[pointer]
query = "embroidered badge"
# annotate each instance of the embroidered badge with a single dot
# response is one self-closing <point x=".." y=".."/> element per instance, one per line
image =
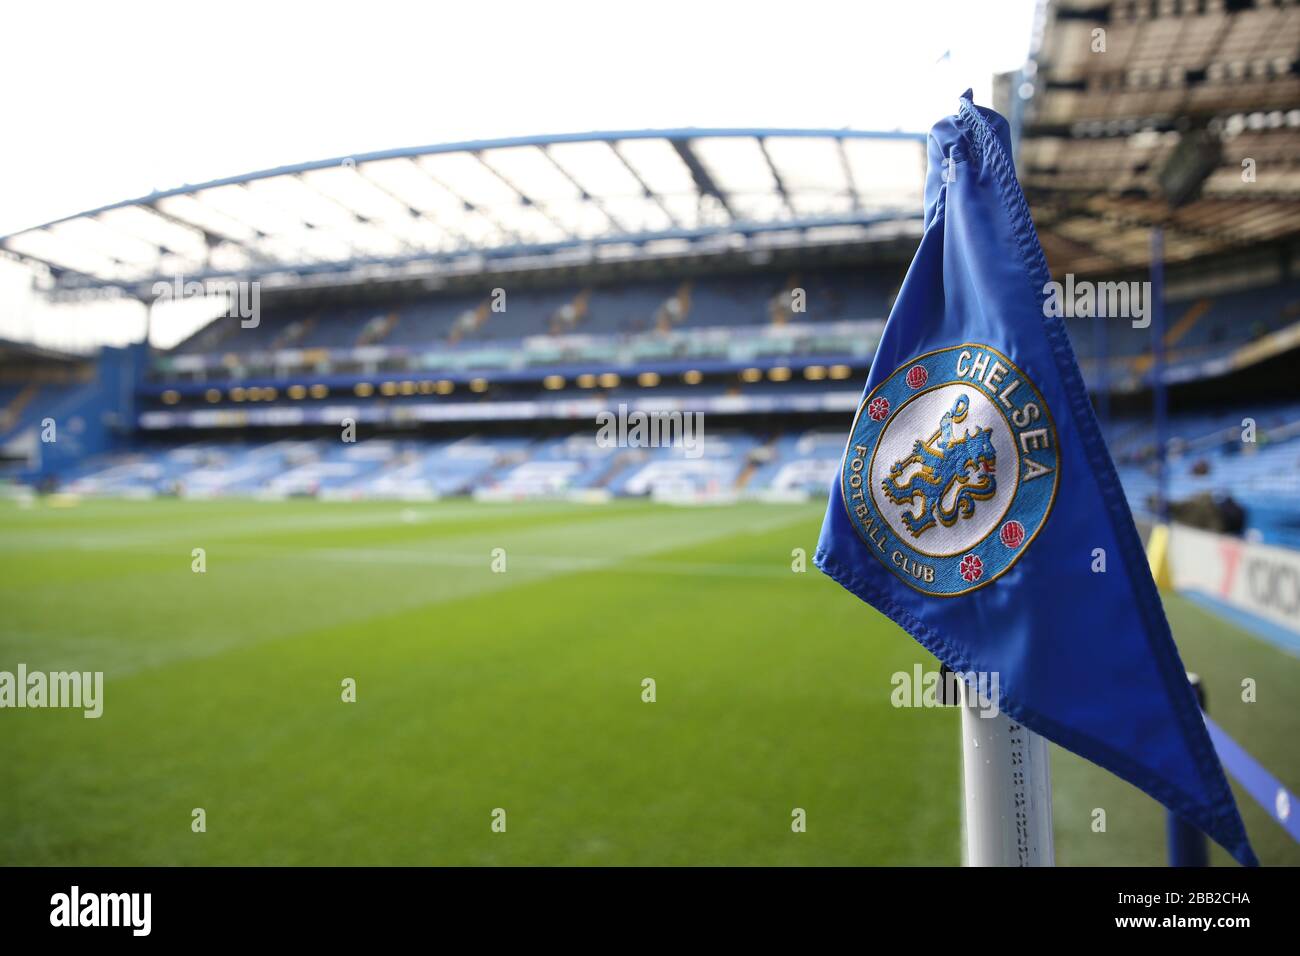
<point x="951" y="469"/>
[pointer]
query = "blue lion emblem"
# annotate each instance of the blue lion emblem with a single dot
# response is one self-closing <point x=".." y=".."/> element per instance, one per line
<point x="966" y="463"/>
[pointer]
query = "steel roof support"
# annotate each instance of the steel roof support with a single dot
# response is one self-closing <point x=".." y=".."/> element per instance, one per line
<point x="776" y="176"/>
<point x="471" y="207"/>
<point x="524" y="198"/>
<point x="703" y="181"/>
<point x="645" y="188"/>
<point x="582" y="190"/>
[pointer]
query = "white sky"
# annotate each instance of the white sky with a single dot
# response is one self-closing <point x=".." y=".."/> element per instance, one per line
<point x="107" y="101"/>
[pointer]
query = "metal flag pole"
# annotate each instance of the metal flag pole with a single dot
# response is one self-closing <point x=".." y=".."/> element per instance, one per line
<point x="1159" y="394"/>
<point x="1101" y="380"/>
<point x="1008" y="788"/>
<point x="1188" y="846"/>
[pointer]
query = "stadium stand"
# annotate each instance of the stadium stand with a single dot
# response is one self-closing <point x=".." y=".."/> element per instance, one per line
<point x="472" y="345"/>
<point x="244" y="412"/>
<point x="622" y="309"/>
<point x="1207" y="456"/>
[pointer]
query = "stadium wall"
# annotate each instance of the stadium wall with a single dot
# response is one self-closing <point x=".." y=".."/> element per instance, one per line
<point x="1254" y="584"/>
<point x="95" y="418"/>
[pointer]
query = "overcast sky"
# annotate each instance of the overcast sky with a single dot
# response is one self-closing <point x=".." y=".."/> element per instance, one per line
<point x="107" y="101"/>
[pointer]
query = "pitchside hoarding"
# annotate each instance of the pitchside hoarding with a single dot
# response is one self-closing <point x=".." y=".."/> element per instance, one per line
<point x="1258" y="579"/>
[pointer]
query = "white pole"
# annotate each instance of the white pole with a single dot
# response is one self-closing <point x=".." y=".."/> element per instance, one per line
<point x="1008" y="782"/>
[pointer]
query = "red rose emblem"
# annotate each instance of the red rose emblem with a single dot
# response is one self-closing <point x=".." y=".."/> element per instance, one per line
<point x="971" y="567"/>
<point x="878" y="409"/>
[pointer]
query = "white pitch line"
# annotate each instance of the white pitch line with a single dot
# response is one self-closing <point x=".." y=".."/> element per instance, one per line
<point x="544" y="562"/>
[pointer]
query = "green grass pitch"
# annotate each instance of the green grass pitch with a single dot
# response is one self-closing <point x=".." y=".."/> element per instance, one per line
<point x="519" y="690"/>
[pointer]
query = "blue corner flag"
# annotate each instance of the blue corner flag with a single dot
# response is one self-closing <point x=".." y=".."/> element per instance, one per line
<point x="978" y="508"/>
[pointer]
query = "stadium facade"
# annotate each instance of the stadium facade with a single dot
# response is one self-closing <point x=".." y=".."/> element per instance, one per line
<point x="466" y="311"/>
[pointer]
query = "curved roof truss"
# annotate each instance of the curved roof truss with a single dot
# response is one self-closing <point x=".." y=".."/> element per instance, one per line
<point x="422" y="208"/>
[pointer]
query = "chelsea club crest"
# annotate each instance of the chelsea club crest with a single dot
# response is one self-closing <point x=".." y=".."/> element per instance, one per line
<point x="951" y="469"/>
